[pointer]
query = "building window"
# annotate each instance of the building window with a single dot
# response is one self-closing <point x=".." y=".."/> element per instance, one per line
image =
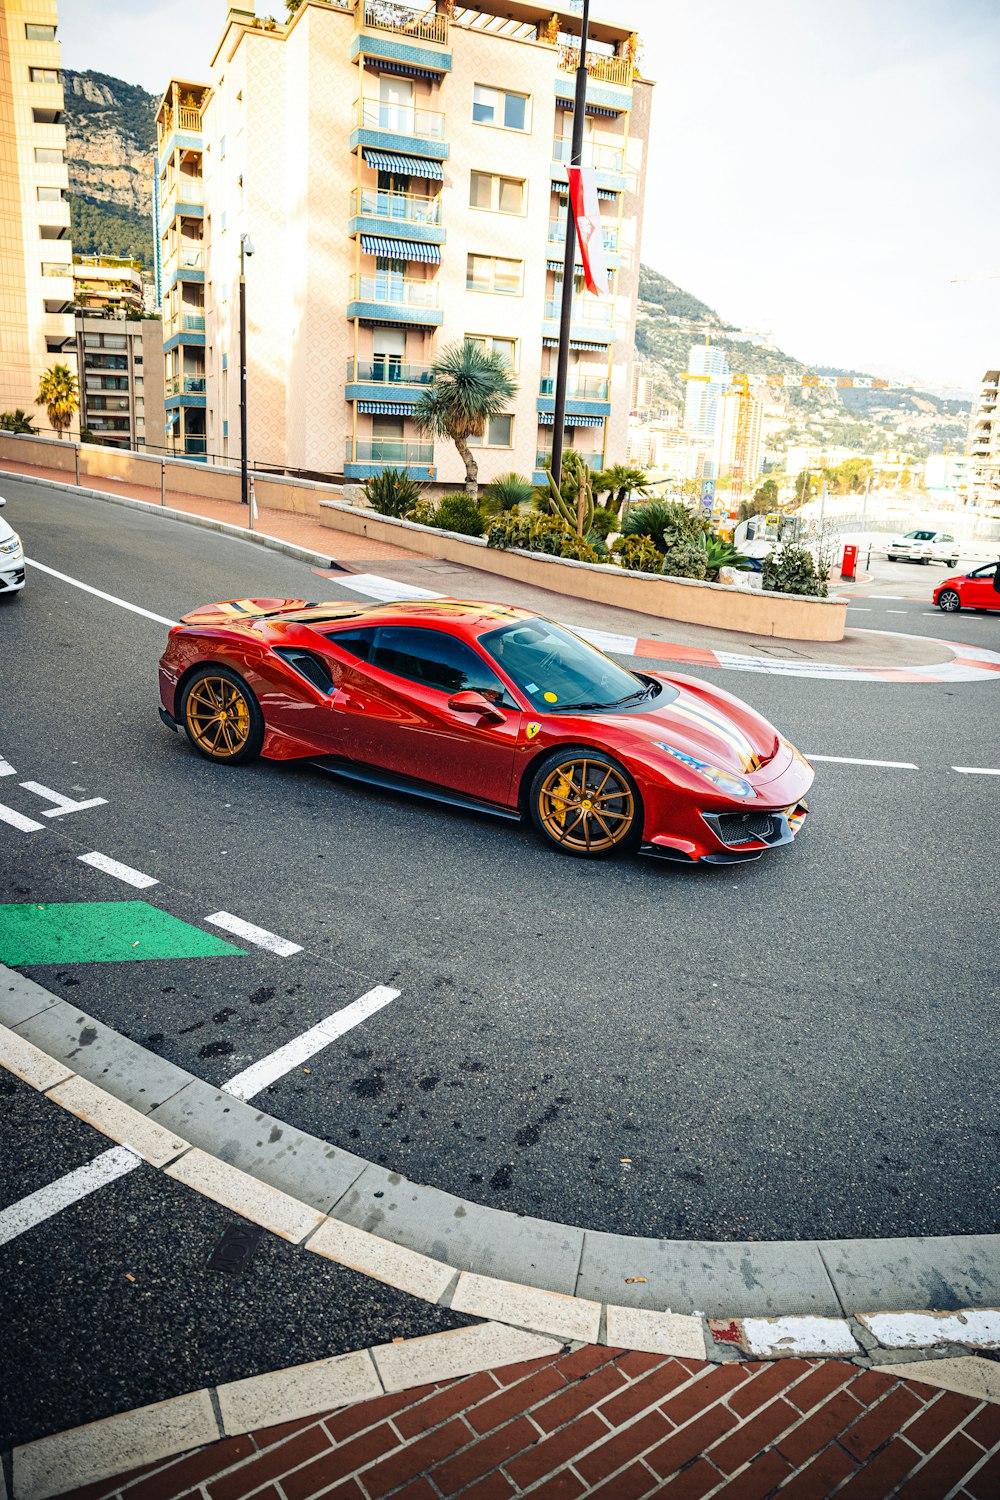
<point x="52" y="195"/>
<point x="56" y="268"/>
<point x="492" y="344"/>
<point x="54" y="231"/>
<point x="498" y="107"/>
<point x="489" y="273"/>
<point x="48" y="155"/>
<point x="35" y="33"/>
<point x="222" y="147"/>
<point x="46" y="116"/>
<point x="44" y="75"/>
<point x="222" y="220"/>
<point x="499" y="434"/>
<point x="502" y="195"/>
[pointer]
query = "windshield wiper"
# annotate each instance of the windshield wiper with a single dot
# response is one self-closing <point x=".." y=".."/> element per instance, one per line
<point x="643" y="692"/>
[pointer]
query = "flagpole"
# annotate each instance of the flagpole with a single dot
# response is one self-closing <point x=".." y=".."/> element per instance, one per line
<point x="569" y="259"/>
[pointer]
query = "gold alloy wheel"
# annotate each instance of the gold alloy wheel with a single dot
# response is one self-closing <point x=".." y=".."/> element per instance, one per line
<point x="218" y="717"/>
<point x="586" y="805"/>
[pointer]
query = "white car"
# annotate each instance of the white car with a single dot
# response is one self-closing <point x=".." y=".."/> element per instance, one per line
<point x="923" y="547"/>
<point x="11" y="559"/>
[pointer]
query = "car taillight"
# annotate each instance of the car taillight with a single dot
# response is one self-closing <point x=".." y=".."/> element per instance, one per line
<point x="174" y="630"/>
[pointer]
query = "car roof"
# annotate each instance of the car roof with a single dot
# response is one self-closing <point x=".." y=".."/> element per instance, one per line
<point x="467" y="614"/>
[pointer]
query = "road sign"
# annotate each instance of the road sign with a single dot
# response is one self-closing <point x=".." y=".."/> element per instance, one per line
<point x="708" y="493"/>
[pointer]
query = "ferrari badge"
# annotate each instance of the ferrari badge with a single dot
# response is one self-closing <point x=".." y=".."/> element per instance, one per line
<point x="531" y="730"/>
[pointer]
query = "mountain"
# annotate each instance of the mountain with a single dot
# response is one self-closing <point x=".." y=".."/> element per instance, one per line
<point x="670" y="320"/>
<point x="110" y="139"/>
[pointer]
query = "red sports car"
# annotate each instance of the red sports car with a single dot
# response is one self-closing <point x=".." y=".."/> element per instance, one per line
<point x="491" y="708"/>
<point x="975" y="590"/>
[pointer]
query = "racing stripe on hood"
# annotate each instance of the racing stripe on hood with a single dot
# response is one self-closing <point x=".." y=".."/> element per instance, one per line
<point x="705" y="718"/>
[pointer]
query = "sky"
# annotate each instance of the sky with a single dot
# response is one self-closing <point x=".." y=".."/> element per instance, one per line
<point x="821" y="172"/>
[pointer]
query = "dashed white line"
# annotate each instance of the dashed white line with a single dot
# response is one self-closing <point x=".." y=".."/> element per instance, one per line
<point x="99" y="593"/>
<point x="251" y="934"/>
<point x="976" y="771"/>
<point x="6" y="769"/>
<point x="118" y="870"/>
<point x="260" y="1074"/>
<point x="18" y="820"/>
<point x="63" y="805"/>
<point x="897" y="611"/>
<point x="850" y="760"/>
<point x="39" y="1206"/>
<point x="859" y="609"/>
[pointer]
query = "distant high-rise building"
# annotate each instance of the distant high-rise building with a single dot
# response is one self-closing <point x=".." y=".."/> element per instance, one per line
<point x="702" y="397"/>
<point x="983" y="444"/>
<point x="726" y="428"/>
<point x="36" y="259"/>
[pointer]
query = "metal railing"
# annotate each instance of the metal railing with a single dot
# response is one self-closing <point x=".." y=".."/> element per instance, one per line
<point x="586" y="388"/>
<point x="599" y="65"/>
<point x="388" y="371"/>
<point x="400" y="119"/>
<point x="389" y="451"/>
<point x="197" y="445"/>
<point x="185" y="385"/>
<point x="582" y="315"/>
<point x="401" y="291"/>
<point x="404" y="208"/>
<point x="183" y="190"/>
<point x="423" y="26"/>
<point x="557" y="233"/>
<point x="603" y="158"/>
<point x="56" y="268"/>
<point x="191" y="260"/>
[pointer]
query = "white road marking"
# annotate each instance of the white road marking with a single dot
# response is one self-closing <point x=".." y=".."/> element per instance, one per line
<point x="63" y="805"/>
<point x="260" y="1074"/>
<point x="975" y="771"/>
<point x="251" y="934"/>
<point x="6" y="769"/>
<point x="38" y="1207"/>
<point x="99" y="593"/>
<point x="606" y="640"/>
<point x="18" y="820"/>
<point x="894" y="597"/>
<point x="859" y="609"/>
<point x="897" y="611"/>
<point x="119" y="871"/>
<point x="850" y="760"/>
<point x="386" y="589"/>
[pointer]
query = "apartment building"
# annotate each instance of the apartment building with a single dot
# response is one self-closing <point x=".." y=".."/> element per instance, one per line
<point x="727" y="427"/>
<point x="36" y="272"/>
<point x="707" y="381"/>
<point x="983" y="444"/>
<point x="102" y="282"/>
<point x="121" y="380"/>
<point x="401" y="175"/>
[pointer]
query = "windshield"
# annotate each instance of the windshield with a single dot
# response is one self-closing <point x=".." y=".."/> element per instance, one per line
<point x="919" y="536"/>
<point x="557" y="671"/>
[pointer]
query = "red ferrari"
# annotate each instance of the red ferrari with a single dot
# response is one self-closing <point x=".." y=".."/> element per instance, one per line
<point x="490" y="708"/>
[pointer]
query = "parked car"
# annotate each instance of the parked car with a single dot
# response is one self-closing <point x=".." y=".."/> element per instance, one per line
<point x="975" y="590"/>
<point x="11" y="559"/>
<point x="923" y="547"/>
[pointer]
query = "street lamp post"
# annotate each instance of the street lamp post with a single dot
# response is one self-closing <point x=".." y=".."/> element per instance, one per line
<point x="246" y="248"/>
<point x="569" y="259"/>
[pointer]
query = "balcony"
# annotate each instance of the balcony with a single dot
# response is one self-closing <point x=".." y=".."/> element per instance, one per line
<point x="183" y="190"/>
<point x="185" y="385"/>
<point x="584" y="388"/>
<point x="396" y="298"/>
<point x="600" y="67"/>
<point x="408" y="120"/>
<point x="594" y="461"/>
<point x="390" y="451"/>
<point x="598" y="317"/>
<point x="601" y="158"/>
<point x="419" y="26"/>
<point x="191" y="260"/>
<point x="557" y="234"/>
<point x="386" y="372"/>
<point x="399" y="208"/>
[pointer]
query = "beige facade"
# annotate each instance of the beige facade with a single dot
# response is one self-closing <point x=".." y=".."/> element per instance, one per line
<point x="397" y="172"/>
<point x="36" y="276"/>
<point x="121" y="380"/>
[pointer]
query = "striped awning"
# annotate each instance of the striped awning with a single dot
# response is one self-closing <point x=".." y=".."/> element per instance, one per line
<point x="406" y="70"/>
<point x="547" y="419"/>
<point x="591" y="109"/>
<point x="405" y="166"/>
<point x="559" y="265"/>
<point x="386" y="408"/>
<point x="551" y="343"/>
<point x="377" y="244"/>
<point x="611" y="194"/>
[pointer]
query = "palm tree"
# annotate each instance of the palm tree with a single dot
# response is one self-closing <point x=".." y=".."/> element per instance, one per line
<point x="468" y="389"/>
<point x="59" y="394"/>
<point x="620" y="482"/>
<point x="15" y="421"/>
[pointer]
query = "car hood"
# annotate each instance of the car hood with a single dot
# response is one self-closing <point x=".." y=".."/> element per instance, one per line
<point x="6" y="532"/>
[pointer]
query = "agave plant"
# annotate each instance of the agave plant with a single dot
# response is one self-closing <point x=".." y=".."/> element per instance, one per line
<point x="506" y="493"/>
<point x="720" y="554"/>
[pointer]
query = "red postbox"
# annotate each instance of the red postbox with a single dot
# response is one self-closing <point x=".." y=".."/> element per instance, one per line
<point x="849" y="563"/>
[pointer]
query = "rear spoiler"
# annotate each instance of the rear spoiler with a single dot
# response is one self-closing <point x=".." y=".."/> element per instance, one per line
<point x="232" y="610"/>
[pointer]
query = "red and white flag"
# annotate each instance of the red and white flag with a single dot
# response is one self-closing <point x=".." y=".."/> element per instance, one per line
<point x="586" y="208"/>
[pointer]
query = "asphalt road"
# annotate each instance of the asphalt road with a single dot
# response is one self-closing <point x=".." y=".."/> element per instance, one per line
<point x="797" y="1047"/>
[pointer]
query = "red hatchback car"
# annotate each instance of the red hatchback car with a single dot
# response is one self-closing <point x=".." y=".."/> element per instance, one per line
<point x="492" y="708"/>
<point x="976" y="590"/>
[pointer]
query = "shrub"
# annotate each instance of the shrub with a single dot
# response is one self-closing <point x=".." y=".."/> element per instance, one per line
<point x="604" y="521"/>
<point x="793" y="570"/>
<point x="459" y="513"/>
<point x="664" y="521"/>
<point x="391" y="493"/>
<point x="422" y="511"/>
<point x="684" y="559"/>
<point x="506" y="493"/>
<point x="638" y="553"/>
<point x="719" y="554"/>
<point x="533" y="533"/>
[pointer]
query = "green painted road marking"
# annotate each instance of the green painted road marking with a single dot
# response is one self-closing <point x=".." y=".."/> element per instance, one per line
<point x="89" y="932"/>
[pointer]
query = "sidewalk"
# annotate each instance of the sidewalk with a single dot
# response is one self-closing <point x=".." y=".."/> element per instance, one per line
<point x="601" y="1422"/>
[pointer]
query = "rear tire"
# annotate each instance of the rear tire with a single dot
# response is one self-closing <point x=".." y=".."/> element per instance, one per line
<point x="584" y="803"/>
<point x="221" y="716"/>
<point x="949" y="601"/>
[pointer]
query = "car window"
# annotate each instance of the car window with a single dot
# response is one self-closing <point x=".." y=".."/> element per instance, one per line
<point x="986" y="572"/>
<point x="436" y="660"/>
<point x="919" y="536"/>
<point x="557" y="670"/>
<point x="944" y="537"/>
<point x="355" y="642"/>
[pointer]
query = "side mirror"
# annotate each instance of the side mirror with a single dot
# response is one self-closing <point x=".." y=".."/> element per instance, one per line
<point x="475" y="703"/>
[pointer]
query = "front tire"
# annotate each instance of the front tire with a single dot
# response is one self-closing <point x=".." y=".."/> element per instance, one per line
<point x="949" y="601"/>
<point x="584" y="803"/>
<point x="221" y="716"/>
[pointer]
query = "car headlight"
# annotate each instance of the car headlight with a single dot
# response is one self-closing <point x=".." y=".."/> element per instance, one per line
<point x="724" y="781"/>
<point x="12" y="547"/>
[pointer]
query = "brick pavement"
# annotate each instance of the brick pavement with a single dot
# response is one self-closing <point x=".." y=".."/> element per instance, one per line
<point x="601" y="1422"/>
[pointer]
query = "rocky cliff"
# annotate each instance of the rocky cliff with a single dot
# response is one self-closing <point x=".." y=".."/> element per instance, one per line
<point x="110" y="138"/>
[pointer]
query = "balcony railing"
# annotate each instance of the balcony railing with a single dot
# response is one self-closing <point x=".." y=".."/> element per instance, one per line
<point x="185" y="385"/>
<point x="599" y="66"/>
<point x="405" y="208"/>
<point x="191" y="260"/>
<point x="196" y="446"/>
<point x="422" y="26"/>
<point x="184" y="323"/>
<point x="389" y="451"/>
<point x="183" y="190"/>
<point x="387" y="371"/>
<point x="593" y="461"/>
<point x="557" y="234"/>
<point x="56" y="268"/>
<point x="585" y="388"/>
<point x="587" y="317"/>
<point x="401" y="291"/>
<point x="603" y="158"/>
<point x="400" y="119"/>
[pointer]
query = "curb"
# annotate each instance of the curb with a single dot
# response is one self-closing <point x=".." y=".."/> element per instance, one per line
<point x="872" y="1301"/>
